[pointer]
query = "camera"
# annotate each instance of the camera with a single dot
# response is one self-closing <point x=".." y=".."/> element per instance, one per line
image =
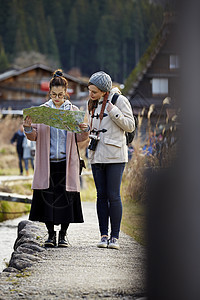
<point x="94" y="141"/>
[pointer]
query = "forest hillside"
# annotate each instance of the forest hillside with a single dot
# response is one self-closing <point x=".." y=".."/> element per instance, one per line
<point x="86" y="34"/>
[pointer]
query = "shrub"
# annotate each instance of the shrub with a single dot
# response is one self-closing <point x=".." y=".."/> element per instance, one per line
<point x="134" y="175"/>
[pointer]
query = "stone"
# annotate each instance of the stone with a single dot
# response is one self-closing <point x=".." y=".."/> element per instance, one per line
<point x="22" y="224"/>
<point x="30" y="229"/>
<point x="25" y="239"/>
<point x="20" y="264"/>
<point x="26" y="232"/>
<point x="23" y="256"/>
<point x="21" y="249"/>
<point x="27" y="246"/>
<point x="33" y="247"/>
<point x="11" y="270"/>
<point x="20" y="260"/>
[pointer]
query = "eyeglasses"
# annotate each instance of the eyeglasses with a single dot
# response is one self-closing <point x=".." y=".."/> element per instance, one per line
<point x="60" y="95"/>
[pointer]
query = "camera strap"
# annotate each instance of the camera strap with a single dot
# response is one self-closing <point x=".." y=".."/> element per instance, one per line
<point x="102" y="111"/>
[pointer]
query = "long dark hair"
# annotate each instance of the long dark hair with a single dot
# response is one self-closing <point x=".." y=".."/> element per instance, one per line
<point x="59" y="80"/>
<point x="93" y="103"/>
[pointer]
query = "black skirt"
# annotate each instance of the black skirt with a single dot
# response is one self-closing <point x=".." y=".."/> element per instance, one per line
<point x="55" y="204"/>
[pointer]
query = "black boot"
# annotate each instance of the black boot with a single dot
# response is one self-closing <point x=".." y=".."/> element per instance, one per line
<point x="51" y="241"/>
<point x="62" y="242"/>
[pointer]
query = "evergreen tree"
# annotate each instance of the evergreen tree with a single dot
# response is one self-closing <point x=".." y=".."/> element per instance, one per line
<point x="10" y="26"/>
<point x="108" y="45"/>
<point x="4" y="9"/>
<point x="52" y="49"/>
<point x="152" y="31"/>
<point x="22" y="39"/>
<point x="32" y="34"/>
<point x="89" y="34"/>
<point x="91" y="25"/>
<point x="137" y="29"/>
<point x="126" y="36"/>
<point x="82" y="8"/>
<point x="151" y="14"/>
<point x="55" y="10"/>
<point x="72" y="37"/>
<point x="4" y="64"/>
<point x="40" y="25"/>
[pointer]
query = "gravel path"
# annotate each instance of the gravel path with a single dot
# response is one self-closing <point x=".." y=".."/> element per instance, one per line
<point x="81" y="271"/>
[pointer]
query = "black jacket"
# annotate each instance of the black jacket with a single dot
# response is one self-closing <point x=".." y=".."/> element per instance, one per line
<point x="18" y="136"/>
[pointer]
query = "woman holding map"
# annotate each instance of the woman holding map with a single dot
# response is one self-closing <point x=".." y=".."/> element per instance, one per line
<point x="56" y="183"/>
<point x="108" y="152"/>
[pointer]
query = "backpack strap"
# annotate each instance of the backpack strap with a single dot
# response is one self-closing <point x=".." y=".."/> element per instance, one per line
<point x="114" y="98"/>
<point x="129" y="135"/>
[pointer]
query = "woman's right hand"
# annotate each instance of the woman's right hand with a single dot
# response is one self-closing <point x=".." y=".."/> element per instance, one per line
<point x="27" y="122"/>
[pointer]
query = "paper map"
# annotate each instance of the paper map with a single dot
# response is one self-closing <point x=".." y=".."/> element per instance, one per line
<point x="58" y="118"/>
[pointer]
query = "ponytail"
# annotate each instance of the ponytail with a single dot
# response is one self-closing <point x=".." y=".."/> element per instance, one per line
<point x="59" y="80"/>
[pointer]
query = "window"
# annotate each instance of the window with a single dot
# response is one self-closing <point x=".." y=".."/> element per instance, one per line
<point x="174" y="62"/>
<point x="159" y="86"/>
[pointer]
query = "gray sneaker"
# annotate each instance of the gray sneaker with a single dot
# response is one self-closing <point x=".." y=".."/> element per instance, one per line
<point x="103" y="242"/>
<point x="113" y="243"/>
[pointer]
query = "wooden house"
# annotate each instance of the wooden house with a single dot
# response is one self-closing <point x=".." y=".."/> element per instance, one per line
<point x="157" y="74"/>
<point x="20" y="88"/>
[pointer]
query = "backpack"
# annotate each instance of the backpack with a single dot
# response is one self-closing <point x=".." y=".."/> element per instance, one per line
<point x="129" y="135"/>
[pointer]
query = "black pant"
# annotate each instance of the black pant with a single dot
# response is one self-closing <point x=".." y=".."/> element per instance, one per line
<point x="107" y="178"/>
<point x="50" y="226"/>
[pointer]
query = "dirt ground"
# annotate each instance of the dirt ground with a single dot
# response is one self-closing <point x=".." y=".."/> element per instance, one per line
<point x="81" y="271"/>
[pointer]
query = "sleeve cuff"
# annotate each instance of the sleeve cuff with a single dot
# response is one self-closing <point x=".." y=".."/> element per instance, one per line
<point x="28" y="129"/>
<point x="115" y="113"/>
<point x="87" y="129"/>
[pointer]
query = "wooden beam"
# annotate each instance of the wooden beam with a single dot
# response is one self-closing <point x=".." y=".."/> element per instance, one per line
<point x="15" y="198"/>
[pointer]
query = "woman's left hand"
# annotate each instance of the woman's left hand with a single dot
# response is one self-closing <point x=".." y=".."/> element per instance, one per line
<point x="109" y="106"/>
<point x="83" y="126"/>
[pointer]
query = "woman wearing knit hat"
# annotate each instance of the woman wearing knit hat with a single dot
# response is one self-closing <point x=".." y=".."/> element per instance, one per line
<point x="108" y="152"/>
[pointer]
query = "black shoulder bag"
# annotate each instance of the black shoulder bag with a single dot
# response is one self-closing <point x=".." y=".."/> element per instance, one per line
<point x="81" y="160"/>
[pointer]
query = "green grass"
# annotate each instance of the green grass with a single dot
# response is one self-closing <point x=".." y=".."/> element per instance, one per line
<point x="22" y="188"/>
<point x="3" y="151"/>
<point x="9" y="171"/>
<point x="133" y="220"/>
<point x="88" y="192"/>
<point x="13" y="171"/>
<point x="9" y="210"/>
